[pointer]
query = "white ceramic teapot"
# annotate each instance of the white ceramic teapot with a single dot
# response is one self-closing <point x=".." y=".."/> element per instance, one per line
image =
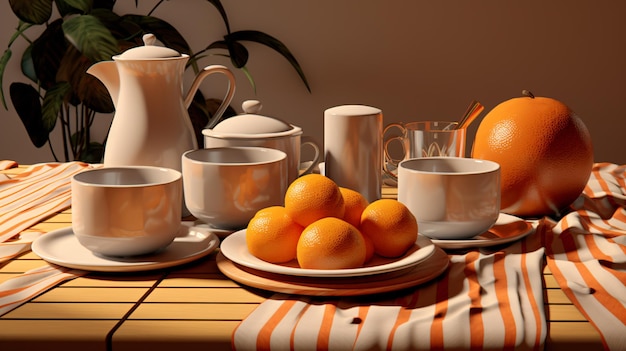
<point x="151" y="125"/>
<point x="252" y="129"/>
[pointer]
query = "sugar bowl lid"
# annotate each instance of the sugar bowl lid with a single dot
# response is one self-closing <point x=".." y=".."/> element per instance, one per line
<point x="148" y="50"/>
<point x="252" y="124"/>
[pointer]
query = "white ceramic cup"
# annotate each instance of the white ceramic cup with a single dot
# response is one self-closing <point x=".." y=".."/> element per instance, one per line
<point x="451" y="197"/>
<point x="126" y="211"/>
<point x="225" y="187"/>
<point x="353" y="148"/>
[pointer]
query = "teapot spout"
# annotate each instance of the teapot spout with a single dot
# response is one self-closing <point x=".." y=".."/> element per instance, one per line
<point x="107" y="73"/>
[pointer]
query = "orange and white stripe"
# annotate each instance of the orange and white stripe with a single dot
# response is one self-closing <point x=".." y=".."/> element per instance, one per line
<point x="40" y="191"/>
<point x="29" y="197"/>
<point x="485" y="299"/>
<point x="7" y="164"/>
<point x="587" y="253"/>
<point x="23" y="288"/>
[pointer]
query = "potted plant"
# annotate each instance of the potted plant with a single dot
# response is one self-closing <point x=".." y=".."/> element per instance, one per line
<point x="85" y="32"/>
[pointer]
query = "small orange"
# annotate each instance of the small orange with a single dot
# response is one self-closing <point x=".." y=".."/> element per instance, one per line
<point x="272" y="235"/>
<point x="369" y="247"/>
<point x="312" y="197"/>
<point x="391" y="226"/>
<point x="544" y="151"/>
<point x="331" y="243"/>
<point x="354" y="203"/>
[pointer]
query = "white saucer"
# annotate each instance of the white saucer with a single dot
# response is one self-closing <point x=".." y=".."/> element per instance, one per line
<point x="235" y="249"/>
<point x="221" y="233"/>
<point x="62" y="248"/>
<point x="507" y="229"/>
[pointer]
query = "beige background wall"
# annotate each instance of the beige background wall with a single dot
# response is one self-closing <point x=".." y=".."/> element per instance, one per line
<point x="415" y="59"/>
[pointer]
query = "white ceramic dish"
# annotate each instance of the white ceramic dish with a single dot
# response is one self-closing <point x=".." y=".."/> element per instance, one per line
<point x="235" y="249"/>
<point x="220" y="232"/>
<point x="62" y="248"/>
<point x="507" y="229"/>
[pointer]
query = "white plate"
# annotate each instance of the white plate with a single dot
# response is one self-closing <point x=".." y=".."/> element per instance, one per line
<point x="62" y="248"/>
<point x="235" y="249"/>
<point x="507" y="229"/>
<point x="221" y="233"/>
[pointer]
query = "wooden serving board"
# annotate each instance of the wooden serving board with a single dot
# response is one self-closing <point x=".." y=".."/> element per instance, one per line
<point x="423" y="272"/>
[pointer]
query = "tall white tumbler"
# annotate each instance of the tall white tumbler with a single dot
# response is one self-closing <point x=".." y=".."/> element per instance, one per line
<point x="353" y="148"/>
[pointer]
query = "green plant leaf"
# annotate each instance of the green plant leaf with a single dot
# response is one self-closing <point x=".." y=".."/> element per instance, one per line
<point x="68" y="7"/>
<point x="6" y="56"/>
<point x="220" y="44"/>
<point x="122" y="29"/>
<point x="21" y="28"/>
<point x="86" y="88"/>
<point x="249" y="76"/>
<point x="3" y="64"/>
<point x="220" y="9"/>
<point x="164" y="31"/>
<point x="90" y="37"/>
<point x="107" y="4"/>
<point x="32" y="11"/>
<point x="27" y="65"/>
<point x="268" y="40"/>
<point x="92" y="153"/>
<point x="72" y="67"/>
<point x="27" y="103"/>
<point x="238" y="54"/>
<point x="47" y="52"/>
<point x="54" y="100"/>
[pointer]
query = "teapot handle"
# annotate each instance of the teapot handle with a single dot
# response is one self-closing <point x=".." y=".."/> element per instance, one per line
<point x="208" y="70"/>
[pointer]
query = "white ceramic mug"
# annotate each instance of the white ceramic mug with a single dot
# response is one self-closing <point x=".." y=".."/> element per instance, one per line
<point x="225" y="187"/>
<point x="353" y="148"/>
<point x="451" y="197"/>
<point x="126" y="211"/>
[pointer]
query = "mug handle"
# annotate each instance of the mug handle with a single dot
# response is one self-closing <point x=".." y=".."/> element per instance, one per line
<point x="388" y="158"/>
<point x="306" y="140"/>
<point x="230" y="92"/>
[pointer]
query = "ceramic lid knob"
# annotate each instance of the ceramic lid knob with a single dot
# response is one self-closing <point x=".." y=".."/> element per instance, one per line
<point x="149" y="39"/>
<point x="252" y="123"/>
<point x="149" y="50"/>
<point x="252" y="106"/>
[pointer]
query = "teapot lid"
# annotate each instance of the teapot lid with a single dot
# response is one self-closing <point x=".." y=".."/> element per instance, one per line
<point x="149" y="50"/>
<point x="251" y="122"/>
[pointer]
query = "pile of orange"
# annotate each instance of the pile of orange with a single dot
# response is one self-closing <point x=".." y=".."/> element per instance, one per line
<point x="324" y="226"/>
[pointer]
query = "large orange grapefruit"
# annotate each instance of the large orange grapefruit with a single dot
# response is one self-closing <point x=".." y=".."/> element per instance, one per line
<point x="544" y="150"/>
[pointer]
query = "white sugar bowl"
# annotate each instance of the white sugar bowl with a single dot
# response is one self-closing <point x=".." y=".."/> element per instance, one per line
<point x="252" y="129"/>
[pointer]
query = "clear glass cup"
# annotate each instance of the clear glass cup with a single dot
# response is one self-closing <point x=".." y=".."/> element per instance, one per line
<point x="423" y="139"/>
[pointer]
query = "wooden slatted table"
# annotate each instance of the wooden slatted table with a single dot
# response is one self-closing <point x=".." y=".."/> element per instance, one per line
<point x="189" y="307"/>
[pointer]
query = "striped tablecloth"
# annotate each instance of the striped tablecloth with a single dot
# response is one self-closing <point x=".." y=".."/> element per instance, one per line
<point x="26" y="199"/>
<point x="486" y="300"/>
<point x="586" y="252"/>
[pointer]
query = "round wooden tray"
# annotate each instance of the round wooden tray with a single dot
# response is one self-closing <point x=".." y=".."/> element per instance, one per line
<point x="423" y="272"/>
